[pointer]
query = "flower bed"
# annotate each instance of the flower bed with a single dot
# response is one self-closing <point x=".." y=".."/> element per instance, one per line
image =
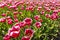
<point x="21" y="20"/>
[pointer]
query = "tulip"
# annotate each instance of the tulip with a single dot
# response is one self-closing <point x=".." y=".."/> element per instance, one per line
<point x="38" y="24"/>
<point x="54" y="16"/>
<point x="15" y="16"/>
<point x="15" y="34"/>
<point x="15" y="13"/>
<point x="22" y="24"/>
<point x="25" y="38"/>
<point x="3" y="20"/>
<point x="36" y="17"/>
<point x="15" y="20"/>
<point x="41" y="20"/>
<point x="8" y="17"/>
<point x="42" y="12"/>
<point x="10" y="21"/>
<point x="6" y="37"/>
<point x="15" y="28"/>
<point x="3" y="14"/>
<point x="28" y="21"/>
<point x="29" y="32"/>
<point x="47" y="15"/>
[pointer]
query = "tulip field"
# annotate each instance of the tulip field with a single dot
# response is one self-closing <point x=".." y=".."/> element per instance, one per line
<point x="29" y="20"/>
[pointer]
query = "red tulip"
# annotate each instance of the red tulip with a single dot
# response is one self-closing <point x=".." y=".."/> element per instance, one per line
<point x="42" y="12"/>
<point x="20" y="13"/>
<point x="29" y="32"/>
<point x="8" y="17"/>
<point x="15" y="20"/>
<point x="22" y="24"/>
<point x="15" y="13"/>
<point x="15" y="34"/>
<point x="6" y="37"/>
<point x="2" y="5"/>
<point x="9" y="21"/>
<point x="39" y="8"/>
<point x="41" y="20"/>
<point x="30" y="7"/>
<point x="22" y="8"/>
<point x="15" y="16"/>
<point x="3" y="14"/>
<point x="28" y="21"/>
<point x="55" y="11"/>
<point x="54" y="16"/>
<point x="3" y="20"/>
<point x="36" y="17"/>
<point x="25" y="38"/>
<point x="47" y="15"/>
<point x="15" y="28"/>
<point x="13" y="7"/>
<point x="38" y="24"/>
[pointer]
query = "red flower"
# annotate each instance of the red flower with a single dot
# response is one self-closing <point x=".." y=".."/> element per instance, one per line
<point x="10" y="21"/>
<point x="55" y="11"/>
<point x="22" y="24"/>
<point x="20" y="13"/>
<point x="28" y="21"/>
<point x="14" y="34"/>
<point x="6" y="37"/>
<point x="25" y="38"/>
<point x="29" y="32"/>
<point x="42" y="12"/>
<point x="47" y="15"/>
<point x="39" y="8"/>
<point x="38" y="24"/>
<point x="15" y="16"/>
<point x="3" y="20"/>
<point x="54" y="16"/>
<point x="15" y="13"/>
<point x="22" y="8"/>
<point x="13" y="7"/>
<point x="15" y="20"/>
<point x="3" y="14"/>
<point x="2" y="5"/>
<point x="15" y="28"/>
<point x="8" y="17"/>
<point x="41" y="20"/>
<point x="30" y="7"/>
<point x="36" y="17"/>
